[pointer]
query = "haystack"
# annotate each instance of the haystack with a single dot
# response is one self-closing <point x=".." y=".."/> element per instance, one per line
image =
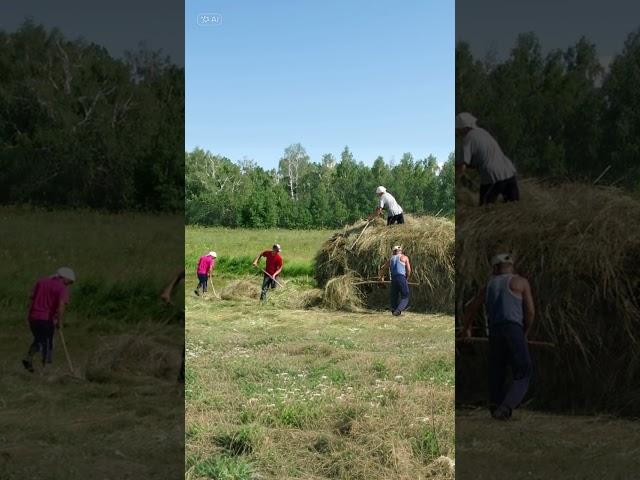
<point x="354" y="256"/>
<point x="579" y="246"/>
<point x="125" y="357"/>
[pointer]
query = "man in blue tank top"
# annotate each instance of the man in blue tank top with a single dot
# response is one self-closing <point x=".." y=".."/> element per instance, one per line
<point x="510" y="311"/>
<point x="400" y="268"/>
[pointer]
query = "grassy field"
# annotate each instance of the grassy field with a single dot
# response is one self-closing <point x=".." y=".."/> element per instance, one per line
<point x="277" y="392"/>
<point x="237" y="248"/>
<point x="55" y="426"/>
<point x="539" y="446"/>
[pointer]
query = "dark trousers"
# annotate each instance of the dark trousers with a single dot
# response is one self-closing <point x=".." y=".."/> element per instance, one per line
<point x="203" y="281"/>
<point x="399" y="219"/>
<point x="508" y="189"/>
<point x="43" y="331"/>
<point x="267" y="283"/>
<point x="508" y="348"/>
<point x="399" y="293"/>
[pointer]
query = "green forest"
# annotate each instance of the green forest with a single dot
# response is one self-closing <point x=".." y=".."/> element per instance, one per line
<point x="305" y="194"/>
<point x="82" y="128"/>
<point x="562" y="115"/>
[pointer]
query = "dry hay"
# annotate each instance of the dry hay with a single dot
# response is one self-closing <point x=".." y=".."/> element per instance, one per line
<point x="357" y="253"/>
<point x="579" y="246"/>
<point x="241" y="290"/>
<point x="124" y="357"/>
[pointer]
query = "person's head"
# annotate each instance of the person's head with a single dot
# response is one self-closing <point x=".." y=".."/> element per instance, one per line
<point x="277" y="248"/>
<point x="67" y="275"/>
<point x="502" y="263"/>
<point x="380" y="191"/>
<point x="397" y="250"/>
<point x="212" y="254"/>
<point x="465" y="122"/>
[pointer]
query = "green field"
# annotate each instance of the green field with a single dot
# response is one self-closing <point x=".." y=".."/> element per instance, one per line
<point x="53" y="425"/>
<point x="237" y="248"/>
<point x="276" y="391"/>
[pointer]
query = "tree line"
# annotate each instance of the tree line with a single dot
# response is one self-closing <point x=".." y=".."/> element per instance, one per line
<point x="304" y="194"/>
<point x="562" y="115"/>
<point x="81" y="128"/>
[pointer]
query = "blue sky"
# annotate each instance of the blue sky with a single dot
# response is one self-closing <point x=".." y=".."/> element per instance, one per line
<point x="375" y="75"/>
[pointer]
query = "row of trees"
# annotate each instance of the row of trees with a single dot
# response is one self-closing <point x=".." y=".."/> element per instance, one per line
<point x="562" y="114"/>
<point x="301" y="193"/>
<point x="79" y="127"/>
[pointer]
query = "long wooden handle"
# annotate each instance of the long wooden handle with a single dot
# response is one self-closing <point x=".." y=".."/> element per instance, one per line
<point x="378" y="281"/>
<point x="486" y="339"/>
<point x="66" y="352"/>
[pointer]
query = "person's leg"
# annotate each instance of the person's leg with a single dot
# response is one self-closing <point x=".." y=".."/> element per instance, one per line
<point x="491" y="193"/>
<point x="49" y="332"/>
<point x="389" y="220"/>
<point x="520" y="361"/>
<point x="34" y="348"/>
<point x="497" y="368"/>
<point x="483" y="193"/>
<point x="198" y="286"/>
<point x="511" y="193"/>
<point x="394" y="291"/>
<point x="266" y="282"/>
<point x="205" y="283"/>
<point x="400" y="218"/>
<point x="404" y="293"/>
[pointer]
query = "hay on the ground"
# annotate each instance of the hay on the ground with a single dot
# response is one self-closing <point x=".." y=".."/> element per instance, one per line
<point x="241" y="289"/>
<point x="340" y="293"/>
<point x="360" y="250"/>
<point x="579" y="246"/>
<point x="124" y="357"/>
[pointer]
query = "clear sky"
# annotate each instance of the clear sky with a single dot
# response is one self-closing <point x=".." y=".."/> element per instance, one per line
<point x="375" y="75"/>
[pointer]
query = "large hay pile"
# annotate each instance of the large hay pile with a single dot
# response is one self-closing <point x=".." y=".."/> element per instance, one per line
<point x="579" y="246"/>
<point x="356" y="254"/>
<point x="123" y="358"/>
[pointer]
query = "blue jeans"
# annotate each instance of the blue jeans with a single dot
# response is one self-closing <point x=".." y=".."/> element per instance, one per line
<point x="399" y="288"/>
<point x="42" y="339"/>
<point x="267" y="283"/>
<point x="508" y="348"/>
<point x="203" y="280"/>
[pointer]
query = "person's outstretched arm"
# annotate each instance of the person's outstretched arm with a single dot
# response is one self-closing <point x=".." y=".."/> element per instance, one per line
<point x="255" y="262"/>
<point x="471" y="312"/>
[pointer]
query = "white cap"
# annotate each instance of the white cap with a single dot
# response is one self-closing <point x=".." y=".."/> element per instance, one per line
<point x="502" y="258"/>
<point x="277" y="247"/>
<point x="66" y="272"/>
<point x="465" y="120"/>
<point x="381" y="189"/>
<point x="213" y="254"/>
<point x="397" y="247"/>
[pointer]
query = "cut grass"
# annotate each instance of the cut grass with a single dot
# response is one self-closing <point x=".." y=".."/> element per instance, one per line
<point x="312" y="394"/>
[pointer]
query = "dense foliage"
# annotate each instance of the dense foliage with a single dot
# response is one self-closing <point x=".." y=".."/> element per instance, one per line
<point x="562" y="114"/>
<point x="305" y="194"/>
<point x="81" y="128"/>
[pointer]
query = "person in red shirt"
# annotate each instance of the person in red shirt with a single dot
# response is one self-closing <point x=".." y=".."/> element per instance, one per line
<point x="49" y="298"/>
<point x="272" y="269"/>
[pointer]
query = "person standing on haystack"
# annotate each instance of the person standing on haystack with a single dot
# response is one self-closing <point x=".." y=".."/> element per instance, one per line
<point x="49" y="298"/>
<point x="271" y="270"/>
<point x="399" y="267"/>
<point x="387" y="202"/>
<point x="510" y="311"/>
<point x="480" y="151"/>
<point x="206" y="264"/>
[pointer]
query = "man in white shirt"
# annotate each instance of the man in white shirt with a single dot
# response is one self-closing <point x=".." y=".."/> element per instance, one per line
<point x="388" y="203"/>
<point x="481" y="152"/>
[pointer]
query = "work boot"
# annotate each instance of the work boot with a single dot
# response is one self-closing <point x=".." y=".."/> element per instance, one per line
<point x="28" y="364"/>
<point x="502" y="413"/>
<point x="396" y="313"/>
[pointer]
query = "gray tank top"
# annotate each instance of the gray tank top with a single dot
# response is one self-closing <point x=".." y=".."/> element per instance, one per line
<point x="501" y="304"/>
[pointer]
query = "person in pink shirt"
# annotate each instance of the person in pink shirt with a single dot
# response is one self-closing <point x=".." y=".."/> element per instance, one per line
<point x="206" y="264"/>
<point x="49" y="298"/>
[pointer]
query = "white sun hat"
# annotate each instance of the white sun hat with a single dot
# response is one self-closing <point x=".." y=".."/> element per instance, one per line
<point x="277" y="247"/>
<point x="397" y="247"/>
<point x="502" y="258"/>
<point x="465" y="120"/>
<point x="66" y="272"/>
<point x="213" y="254"/>
<point x="381" y="189"/>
